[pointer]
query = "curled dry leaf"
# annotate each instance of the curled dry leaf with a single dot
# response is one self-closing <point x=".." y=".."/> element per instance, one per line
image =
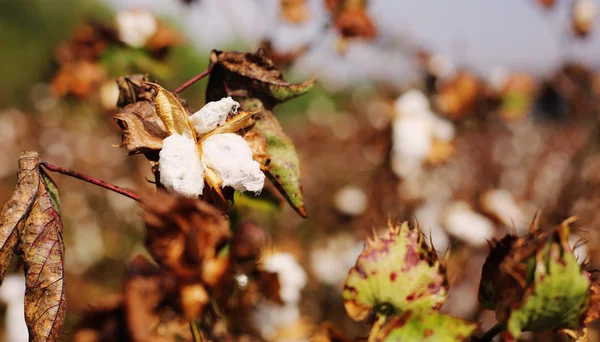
<point x="32" y="226"/>
<point x="132" y="89"/>
<point x="146" y="310"/>
<point x="252" y="75"/>
<point x="258" y="85"/>
<point x="143" y="131"/>
<point x="189" y="238"/>
<point x="355" y="23"/>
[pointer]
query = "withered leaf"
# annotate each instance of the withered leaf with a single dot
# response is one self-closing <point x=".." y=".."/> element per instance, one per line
<point x="143" y="131"/>
<point x="250" y="75"/>
<point x="284" y="166"/>
<point x="187" y="237"/>
<point x="172" y="113"/>
<point x="259" y="147"/>
<point x="31" y="221"/>
<point x="18" y="207"/>
<point x="131" y="89"/>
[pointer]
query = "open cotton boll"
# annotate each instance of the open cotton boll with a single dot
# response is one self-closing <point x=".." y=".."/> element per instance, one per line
<point x="443" y="130"/>
<point x="292" y="277"/>
<point x="411" y="102"/>
<point x="12" y="293"/>
<point x="230" y="157"/>
<point x="180" y="167"/>
<point x="135" y="27"/>
<point x="501" y="204"/>
<point x="350" y="200"/>
<point x="462" y="222"/>
<point x="412" y="136"/>
<point x="269" y="318"/>
<point x="214" y="114"/>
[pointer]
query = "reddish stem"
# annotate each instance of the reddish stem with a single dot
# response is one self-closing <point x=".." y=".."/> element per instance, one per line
<point x="90" y="179"/>
<point x="194" y="79"/>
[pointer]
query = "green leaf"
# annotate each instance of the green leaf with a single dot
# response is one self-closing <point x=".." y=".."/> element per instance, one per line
<point x="423" y="326"/>
<point x="52" y="189"/>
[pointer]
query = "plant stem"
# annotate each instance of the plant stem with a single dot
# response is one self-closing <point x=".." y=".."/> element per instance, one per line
<point x="195" y="332"/>
<point x="490" y="334"/>
<point x="90" y="179"/>
<point x="194" y="79"/>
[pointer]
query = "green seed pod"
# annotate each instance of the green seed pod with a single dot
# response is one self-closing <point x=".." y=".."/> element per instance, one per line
<point x="395" y="274"/>
<point x="426" y="326"/>
<point x="538" y="284"/>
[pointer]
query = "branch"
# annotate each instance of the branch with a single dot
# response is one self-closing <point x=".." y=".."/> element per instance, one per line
<point x="90" y="179"/>
<point x="490" y="334"/>
<point x="194" y="79"/>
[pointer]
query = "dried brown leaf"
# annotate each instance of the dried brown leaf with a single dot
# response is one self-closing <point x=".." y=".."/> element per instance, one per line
<point x="143" y="131"/>
<point x="259" y="147"/>
<point x="42" y="250"/>
<point x="132" y="89"/>
<point x="189" y="238"/>
<point x="18" y="207"/>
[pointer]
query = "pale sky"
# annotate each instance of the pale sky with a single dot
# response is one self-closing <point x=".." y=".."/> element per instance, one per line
<point x="482" y="34"/>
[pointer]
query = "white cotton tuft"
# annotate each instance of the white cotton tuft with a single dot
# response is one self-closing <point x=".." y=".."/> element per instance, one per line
<point x="350" y="200"/>
<point x="12" y="293"/>
<point x="412" y="136"/>
<point x="135" y="27"/>
<point x="330" y="263"/>
<point x="501" y="204"/>
<point x="269" y="318"/>
<point x="411" y="102"/>
<point x="230" y="157"/>
<point x="214" y="114"/>
<point x="180" y="167"/>
<point x="292" y="277"/>
<point x="461" y="221"/>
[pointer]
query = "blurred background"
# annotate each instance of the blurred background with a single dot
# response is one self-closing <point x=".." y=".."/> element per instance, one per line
<point x="468" y="116"/>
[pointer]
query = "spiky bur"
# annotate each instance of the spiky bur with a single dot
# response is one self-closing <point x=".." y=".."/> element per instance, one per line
<point x="395" y="274"/>
<point x="426" y="326"/>
<point x="534" y="283"/>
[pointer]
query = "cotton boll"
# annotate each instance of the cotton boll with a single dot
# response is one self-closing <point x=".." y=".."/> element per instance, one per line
<point x="501" y="204"/>
<point x="180" y="167"/>
<point x="231" y="158"/>
<point x="330" y="263"/>
<point x="135" y="27"/>
<point x="411" y="102"/>
<point x="292" y="277"/>
<point x="443" y="130"/>
<point x="467" y="225"/>
<point x="412" y="136"/>
<point x="269" y="318"/>
<point x="429" y="215"/>
<point x="350" y="200"/>
<point x="12" y="293"/>
<point x="214" y="114"/>
<point x="579" y="247"/>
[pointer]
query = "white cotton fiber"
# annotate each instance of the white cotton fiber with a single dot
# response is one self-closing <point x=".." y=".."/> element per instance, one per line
<point x="462" y="222"/>
<point x="180" y="167"/>
<point x="230" y="157"/>
<point x="411" y="102"/>
<point x="214" y="114"/>
<point x="292" y="277"/>
<point x="135" y="27"/>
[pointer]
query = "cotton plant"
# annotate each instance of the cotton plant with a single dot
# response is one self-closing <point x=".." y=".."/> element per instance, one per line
<point x="415" y="131"/>
<point x="203" y="148"/>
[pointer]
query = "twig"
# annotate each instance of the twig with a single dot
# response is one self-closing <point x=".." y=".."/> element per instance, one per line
<point x="194" y="79"/>
<point x="195" y="332"/>
<point x="90" y="179"/>
<point x="490" y="334"/>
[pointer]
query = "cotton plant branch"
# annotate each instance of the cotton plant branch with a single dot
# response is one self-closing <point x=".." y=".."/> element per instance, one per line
<point x="90" y="179"/>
